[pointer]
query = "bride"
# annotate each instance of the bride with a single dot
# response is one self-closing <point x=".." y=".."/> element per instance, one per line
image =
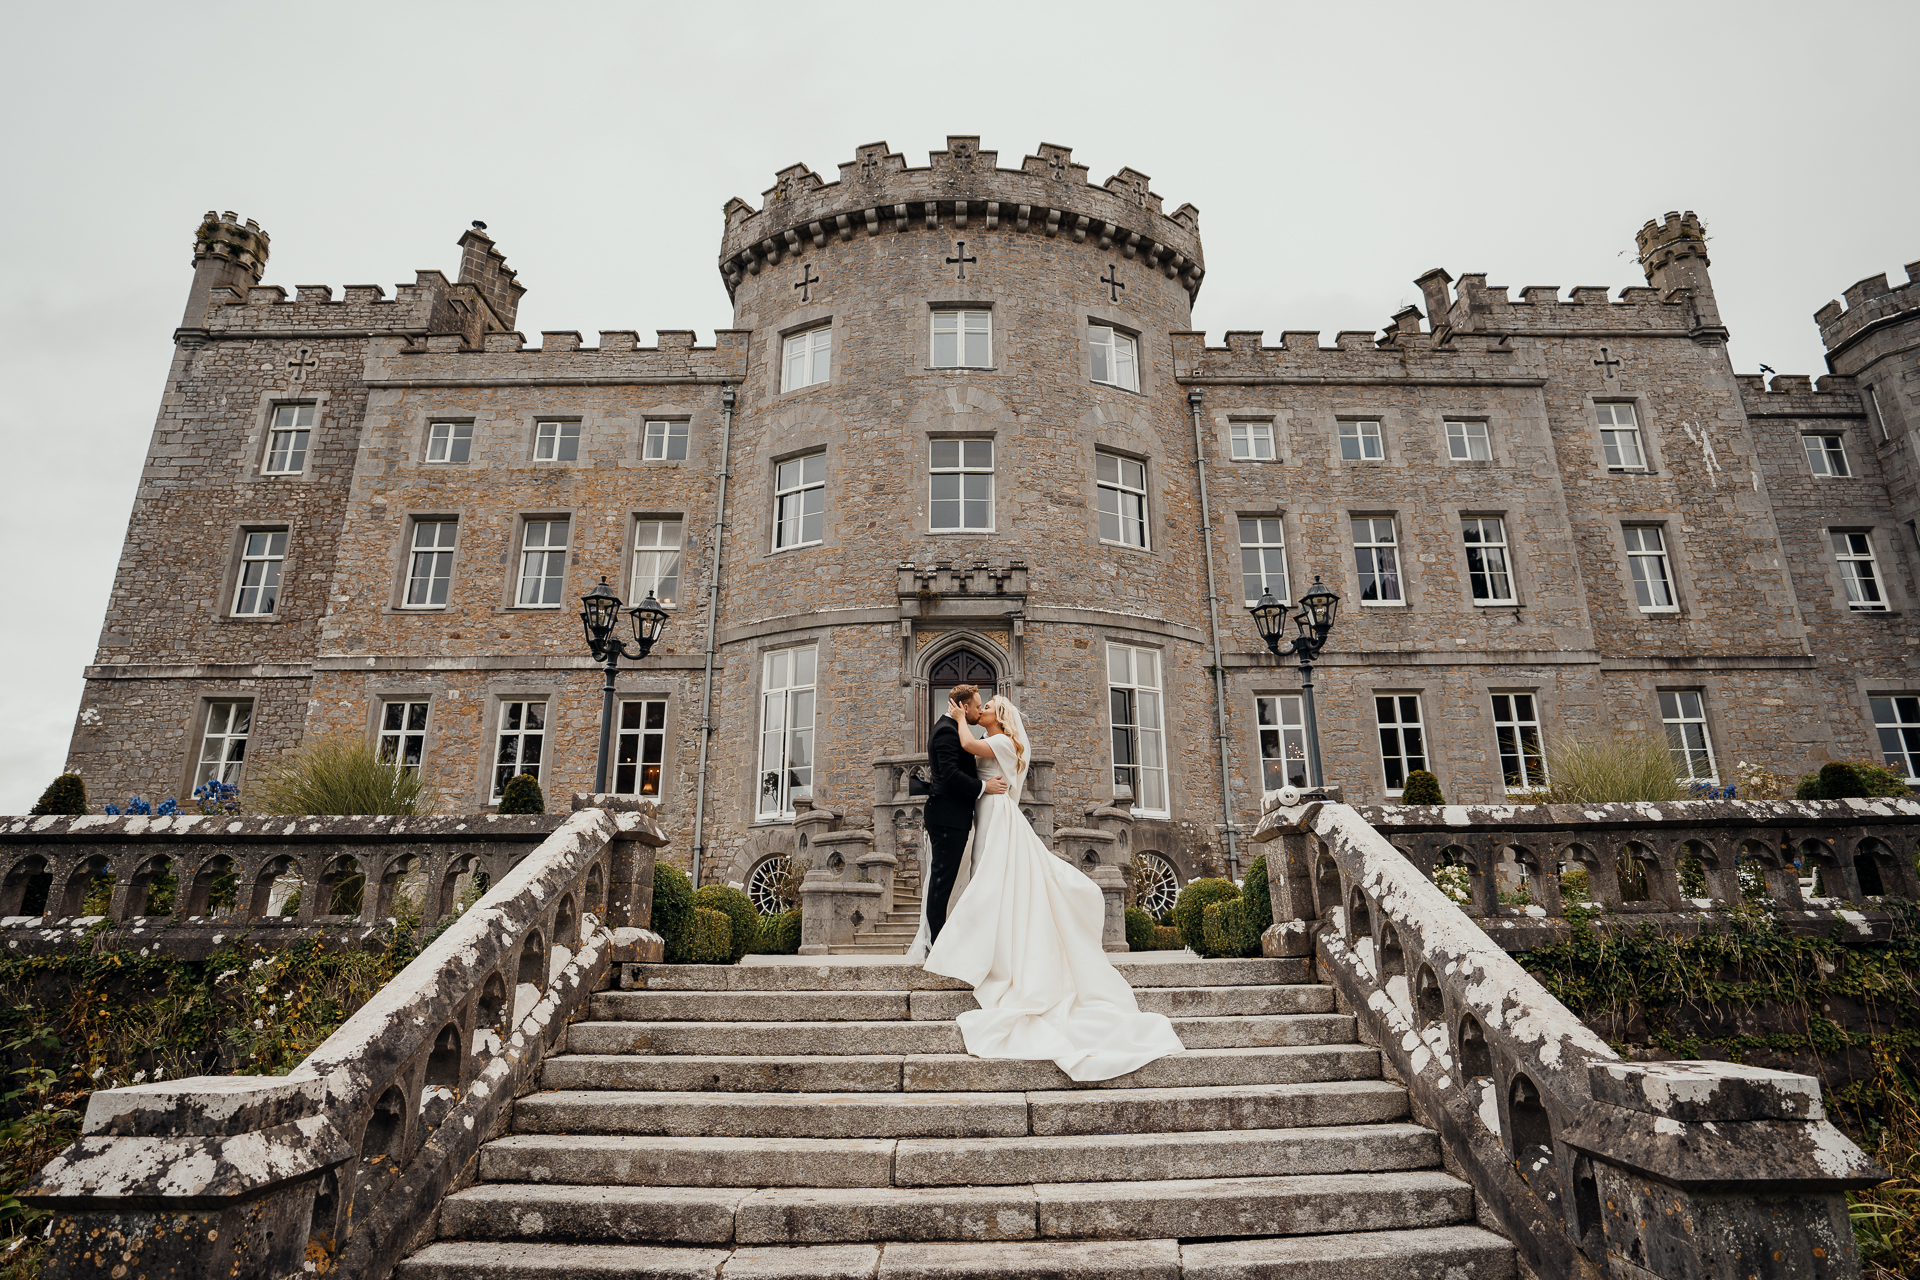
<point x="1026" y="935"/>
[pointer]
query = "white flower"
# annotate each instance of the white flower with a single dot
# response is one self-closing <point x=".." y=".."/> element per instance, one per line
<point x="260" y="990"/>
<point x="139" y="1076"/>
<point x="158" y="1072"/>
<point x="272" y="1009"/>
<point x="223" y="977"/>
<point x="258" y="1025"/>
<point x="98" y="1072"/>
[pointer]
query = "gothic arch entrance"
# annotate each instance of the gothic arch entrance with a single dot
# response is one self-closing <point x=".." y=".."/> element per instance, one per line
<point x="958" y="666"/>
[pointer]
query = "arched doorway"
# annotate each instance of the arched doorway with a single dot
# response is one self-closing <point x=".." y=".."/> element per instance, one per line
<point x="961" y="666"/>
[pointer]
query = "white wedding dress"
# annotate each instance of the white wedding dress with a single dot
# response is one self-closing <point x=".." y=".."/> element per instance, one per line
<point x="1026" y="936"/>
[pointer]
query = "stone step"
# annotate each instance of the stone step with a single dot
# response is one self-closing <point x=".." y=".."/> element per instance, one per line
<point x="822" y="973"/>
<point x="1428" y="1253"/>
<point x="894" y="1037"/>
<point x="967" y="1115"/>
<point x="870" y="949"/>
<point x="931" y="1006"/>
<point x="585" y="1159"/>
<point x="1184" y="1209"/>
<point x="942" y="1073"/>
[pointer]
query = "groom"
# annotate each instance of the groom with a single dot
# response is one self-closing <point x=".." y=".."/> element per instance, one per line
<point x="956" y="785"/>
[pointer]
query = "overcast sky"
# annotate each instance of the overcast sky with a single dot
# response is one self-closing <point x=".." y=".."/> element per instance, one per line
<point x="1334" y="151"/>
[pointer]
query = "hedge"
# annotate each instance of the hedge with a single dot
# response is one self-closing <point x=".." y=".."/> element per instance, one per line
<point x="742" y="920"/>
<point x="1194" y="898"/>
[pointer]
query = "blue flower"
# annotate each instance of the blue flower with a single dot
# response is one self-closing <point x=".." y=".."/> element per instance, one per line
<point x="168" y="808"/>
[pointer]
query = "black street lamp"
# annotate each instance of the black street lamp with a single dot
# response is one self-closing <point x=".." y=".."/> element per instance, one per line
<point x="599" y="614"/>
<point x="1318" y="608"/>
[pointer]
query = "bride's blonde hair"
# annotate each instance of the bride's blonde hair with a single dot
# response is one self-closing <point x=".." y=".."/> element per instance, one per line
<point x="1009" y="717"/>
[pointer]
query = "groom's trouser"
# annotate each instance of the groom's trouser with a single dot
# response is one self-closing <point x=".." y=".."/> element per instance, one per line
<point x="949" y="843"/>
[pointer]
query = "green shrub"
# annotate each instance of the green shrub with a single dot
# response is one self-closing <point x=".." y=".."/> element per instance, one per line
<point x="522" y="795"/>
<point x="1220" y="928"/>
<point x="1258" y="912"/>
<point x="1192" y="903"/>
<point x="672" y="909"/>
<point x="65" y="794"/>
<point x="1166" y="938"/>
<point x="708" y="937"/>
<point x="742" y="920"/>
<point x="341" y="773"/>
<point x="1140" y="929"/>
<point x="1422" y="788"/>
<point x="1575" y="886"/>
<point x="779" y="935"/>
<point x="1850" y="779"/>
<point x="1613" y="770"/>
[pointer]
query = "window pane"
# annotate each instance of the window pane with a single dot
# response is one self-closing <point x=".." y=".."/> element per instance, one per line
<point x="946" y="453"/>
<point x="979" y="453"/>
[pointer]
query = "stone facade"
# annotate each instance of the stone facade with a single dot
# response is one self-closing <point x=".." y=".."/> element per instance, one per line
<point x="1760" y="628"/>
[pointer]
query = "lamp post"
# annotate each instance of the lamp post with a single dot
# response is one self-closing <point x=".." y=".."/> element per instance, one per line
<point x="599" y="614"/>
<point x="1315" y="619"/>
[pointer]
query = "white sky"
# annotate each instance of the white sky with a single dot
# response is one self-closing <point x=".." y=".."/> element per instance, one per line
<point x="1334" y="151"/>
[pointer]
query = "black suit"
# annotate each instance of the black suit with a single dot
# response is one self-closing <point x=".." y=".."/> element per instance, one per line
<point x="949" y="815"/>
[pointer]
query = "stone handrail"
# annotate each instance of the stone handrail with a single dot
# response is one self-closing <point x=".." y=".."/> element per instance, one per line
<point x="339" y="1165"/>
<point x="1592" y="1165"/>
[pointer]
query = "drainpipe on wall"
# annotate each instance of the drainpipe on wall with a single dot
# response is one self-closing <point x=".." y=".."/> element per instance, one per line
<point x="713" y="618"/>
<point x="1194" y="399"/>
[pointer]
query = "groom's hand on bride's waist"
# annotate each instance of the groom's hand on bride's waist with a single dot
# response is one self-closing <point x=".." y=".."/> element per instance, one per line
<point x="994" y="786"/>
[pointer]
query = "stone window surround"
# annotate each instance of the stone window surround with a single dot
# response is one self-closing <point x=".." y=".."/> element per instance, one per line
<point x="1711" y="707"/>
<point x="1156" y="531"/>
<point x="1230" y="543"/>
<point x="378" y="696"/>
<point x="1394" y="426"/>
<point x="923" y="341"/>
<point x="486" y="759"/>
<point x="516" y="547"/>
<point x="530" y="422"/>
<point x="230" y="578"/>
<point x="657" y="690"/>
<point x="1145" y="368"/>
<point x="1412" y="592"/>
<point x="685" y="416"/>
<point x="424" y="432"/>
<point x="802" y="320"/>
<point x="1428" y="740"/>
<point x="1887" y="561"/>
<point x="1286" y="450"/>
<point x="1673" y="531"/>
<point x="1649" y="433"/>
<point x="196" y="730"/>
<point x="1867" y="687"/>
<point x="1497" y="455"/>
<point x="828" y="528"/>
<point x="403" y="558"/>
<point x="629" y="546"/>
<point x="1850" y="458"/>
<point x="821" y="639"/>
<point x="1102" y="637"/>
<point x="260" y="437"/>
<point x="1546" y="710"/>
<point x="1224" y="423"/>
<point x="1518" y="566"/>
<point x="1005" y="447"/>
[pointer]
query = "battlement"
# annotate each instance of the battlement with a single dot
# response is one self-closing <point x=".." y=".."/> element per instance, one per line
<point x="1404" y="353"/>
<point x="485" y="268"/>
<point x="1474" y="306"/>
<point x="414" y="308"/>
<point x="1869" y="302"/>
<point x="1795" y="395"/>
<point x="505" y="357"/>
<point x="1680" y="235"/>
<point x="961" y="186"/>
<point x="224" y="236"/>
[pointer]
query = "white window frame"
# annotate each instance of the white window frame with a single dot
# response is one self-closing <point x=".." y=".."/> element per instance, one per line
<point x="430" y="564"/>
<point x="1361" y="440"/>
<point x="556" y="441"/>
<point x="799" y="484"/>
<point x="1859" y="570"/>
<point x="403" y="732"/>
<point x="1896" y="718"/>
<point x="788" y="695"/>
<point x="1403" y="740"/>
<point x="1116" y="357"/>
<point x="806" y="358"/>
<point x="288" y="440"/>
<point x="656" y="562"/>
<point x="640" y="743"/>
<point x="971" y="478"/>
<point x="960" y="327"/>
<point x="541" y="573"/>
<point x="664" y="440"/>
<point x="1616" y="435"/>
<point x="1376" y="560"/>
<point x="1489" y="560"/>
<point x="1468" y="440"/>
<point x="1516" y="737"/>
<point x="1826" y="454"/>
<point x="1251" y="439"/>
<point x="1282" y="728"/>
<point x="1684" y="713"/>
<point x="1140" y="734"/>
<point x="263" y="561"/>
<point x="521" y="721"/>
<point x="1649" y="568"/>
<point x="449" y="443"/>
<point x="1264" y="559"/>
<point x="1125" y="492"/>
<point x="223" y="741"/>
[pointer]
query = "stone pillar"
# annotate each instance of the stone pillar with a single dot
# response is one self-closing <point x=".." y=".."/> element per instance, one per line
<point x="1113" y="887"/>
<point x="835" y="901"/>
<point x="1290" y="885"/>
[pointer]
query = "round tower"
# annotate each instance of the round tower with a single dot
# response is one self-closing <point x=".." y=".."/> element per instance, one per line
<point x="961" y="457"/>
<point x="227" y="254"/>
<point x="1673" y="253"/>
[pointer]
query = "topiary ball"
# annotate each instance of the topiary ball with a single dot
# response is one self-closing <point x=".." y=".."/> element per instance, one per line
<point x="672" y="908"/>
<point x="65" y="794"/>
<point x="709" y="937"/>
<point x="522" y="795"/>
<point x="1422" y="788"/>
<point x="742" y="919"/>
<point x="1140" y="929"/>
<point x="1220" y="929"/>
<point x="1193" y="902"/>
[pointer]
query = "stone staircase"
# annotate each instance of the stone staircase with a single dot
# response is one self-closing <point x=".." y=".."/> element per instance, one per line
<point x="821" y="1119"/>
<point x="892" y="936"/>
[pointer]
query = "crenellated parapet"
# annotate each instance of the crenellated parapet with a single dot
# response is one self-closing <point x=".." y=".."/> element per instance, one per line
<point x="364" y="308"/>
<point x="962" y="186"/>
<point x="1870" y="304"/>
<point x="1474" y="306"/>
<point x="1792" y="395"/>
<point x="561" y="357"/>
<point x="1404" y="354"/>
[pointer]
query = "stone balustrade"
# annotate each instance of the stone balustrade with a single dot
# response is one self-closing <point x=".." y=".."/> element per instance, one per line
<point x="339" y="1166"/>
<point x="1593" y="1166"/>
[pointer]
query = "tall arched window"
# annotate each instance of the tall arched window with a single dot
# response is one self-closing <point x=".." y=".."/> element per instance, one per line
<point x="962" y="666"/>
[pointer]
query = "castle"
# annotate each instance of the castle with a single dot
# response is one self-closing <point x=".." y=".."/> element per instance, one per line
<point x="962" y="431"/>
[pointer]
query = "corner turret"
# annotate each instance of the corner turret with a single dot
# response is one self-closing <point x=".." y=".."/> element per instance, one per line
<point x="1674" y="256"/>
<point x="227" y="254"/>
<point x="485" y="268"/>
